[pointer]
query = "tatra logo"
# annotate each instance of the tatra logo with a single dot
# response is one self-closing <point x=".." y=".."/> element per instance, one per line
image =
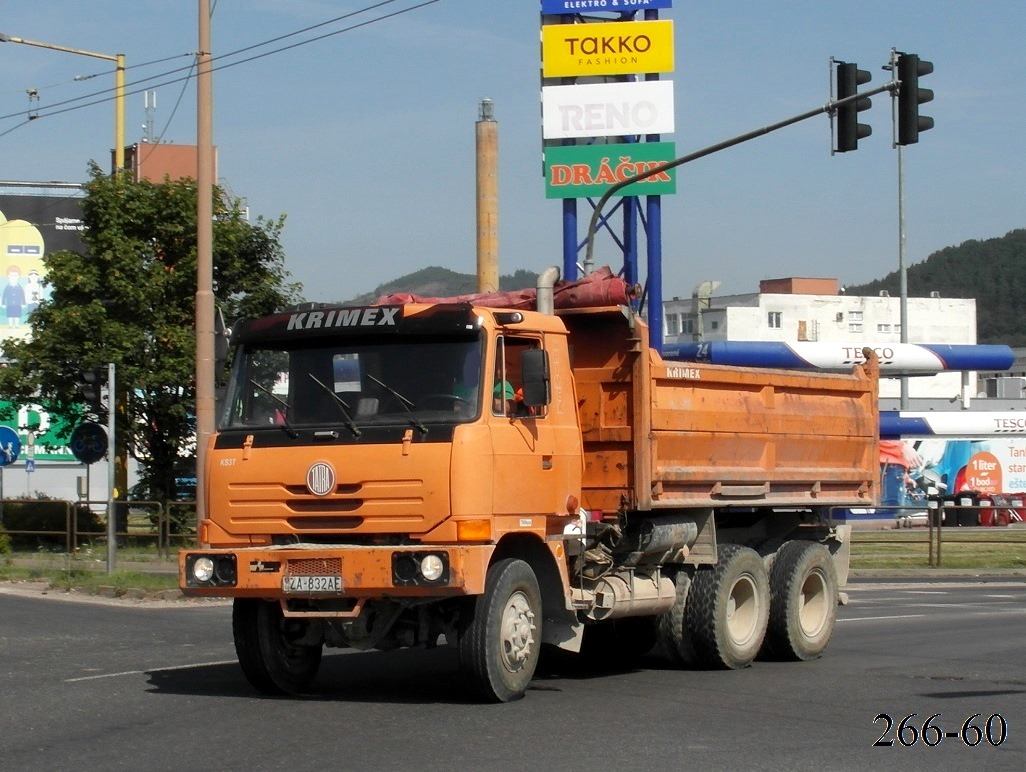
<point x="320" y="479"/>
<point x="343" y="317"/>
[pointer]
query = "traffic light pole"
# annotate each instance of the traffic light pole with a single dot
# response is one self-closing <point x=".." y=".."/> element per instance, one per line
<point x="907" y="125"/>
<point x="902" y="274"/>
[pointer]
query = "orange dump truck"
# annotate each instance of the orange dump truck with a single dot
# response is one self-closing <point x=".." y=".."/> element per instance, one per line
<point x="499" y="480"/>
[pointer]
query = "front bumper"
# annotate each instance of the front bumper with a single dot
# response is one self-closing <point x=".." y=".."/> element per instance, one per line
<point x="363" y="572"/>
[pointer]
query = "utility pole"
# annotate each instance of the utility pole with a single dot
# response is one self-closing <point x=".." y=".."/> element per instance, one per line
<point x="204" y="258"/>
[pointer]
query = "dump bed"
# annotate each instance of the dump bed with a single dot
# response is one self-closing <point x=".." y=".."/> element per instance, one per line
<point x="660" y="434"/>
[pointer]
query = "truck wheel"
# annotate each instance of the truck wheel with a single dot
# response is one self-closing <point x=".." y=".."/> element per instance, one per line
<point x="499" y="645"/>
<point x="803" y="601"/>
<point x="673" y="636"/>
<point x="727" y="609"/>
<point x="267" y="644"/>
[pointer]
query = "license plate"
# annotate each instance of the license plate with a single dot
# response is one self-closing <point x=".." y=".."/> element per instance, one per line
<point x="311" y="584"/>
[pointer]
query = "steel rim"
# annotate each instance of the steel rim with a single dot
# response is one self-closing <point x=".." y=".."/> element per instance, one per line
<point x="743" y="610"/>
<point x="812" y="604"/>
<point x="517" y="632"/>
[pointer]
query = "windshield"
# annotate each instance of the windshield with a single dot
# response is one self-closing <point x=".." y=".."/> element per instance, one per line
<point x="351" y="384"/>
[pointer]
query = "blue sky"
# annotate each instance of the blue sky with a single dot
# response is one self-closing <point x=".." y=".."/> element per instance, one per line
<point x="365" y="139"/>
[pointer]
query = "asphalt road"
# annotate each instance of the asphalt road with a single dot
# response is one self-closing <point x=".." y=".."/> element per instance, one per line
<point x="85" y="686"/>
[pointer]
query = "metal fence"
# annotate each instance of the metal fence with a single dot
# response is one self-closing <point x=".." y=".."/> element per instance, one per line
<point x="941" y="516"/>
<point x="77" y="524"/>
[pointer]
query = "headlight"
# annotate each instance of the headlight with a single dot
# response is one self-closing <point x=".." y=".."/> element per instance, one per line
<point x="218" y="570"/>
<point x="420" y="569"/>
<point x="203" y="569"/>
<point x="431" y="567"/>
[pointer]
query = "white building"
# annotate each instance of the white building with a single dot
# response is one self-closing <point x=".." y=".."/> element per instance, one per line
<point x="806" y="309"/>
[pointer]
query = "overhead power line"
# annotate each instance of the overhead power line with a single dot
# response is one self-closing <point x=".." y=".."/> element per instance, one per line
<point x="218" y="62"/>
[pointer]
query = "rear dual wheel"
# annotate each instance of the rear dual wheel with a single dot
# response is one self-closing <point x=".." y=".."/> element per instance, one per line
<point x="803" y="601"/>
<point x="726" y="611"/>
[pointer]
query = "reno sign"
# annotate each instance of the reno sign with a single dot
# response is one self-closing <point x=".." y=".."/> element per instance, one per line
<point x="607" y="109"/>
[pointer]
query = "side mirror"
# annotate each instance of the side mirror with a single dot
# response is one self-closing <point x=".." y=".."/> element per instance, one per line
<point x="534" y="370"/>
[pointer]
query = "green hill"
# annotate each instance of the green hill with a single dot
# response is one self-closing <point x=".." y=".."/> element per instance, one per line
<point x="441" y="282"/>
<point x="993" y="271"/>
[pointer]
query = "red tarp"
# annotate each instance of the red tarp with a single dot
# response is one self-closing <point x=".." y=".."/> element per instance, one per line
<point x="599" y="288"/>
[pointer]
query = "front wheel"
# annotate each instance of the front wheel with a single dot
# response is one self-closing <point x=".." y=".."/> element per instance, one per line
<point x="273" y="651"/>
<point x="500" y="643"/>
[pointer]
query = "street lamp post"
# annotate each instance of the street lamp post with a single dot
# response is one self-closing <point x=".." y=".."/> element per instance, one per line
<point x="119" y="88"/>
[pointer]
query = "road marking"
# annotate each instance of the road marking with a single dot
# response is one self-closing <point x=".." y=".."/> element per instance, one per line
<point x="892" y="616"/>
<point x="875" y="600"/>
<point x="926" y="592"/>
<point x="150" y="670"/>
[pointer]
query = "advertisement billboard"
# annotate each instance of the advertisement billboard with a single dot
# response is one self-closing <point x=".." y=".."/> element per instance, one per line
<point x="31" y="227"/>
<point x="607" y="109"/>
<point x="50" y="432"/>
<point x="614" y="6"/>
<point x="580" y="171"/>
<point x="610" y="48"/>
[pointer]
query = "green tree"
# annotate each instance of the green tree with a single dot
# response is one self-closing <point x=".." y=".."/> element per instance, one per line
<point x="130" y="300"/>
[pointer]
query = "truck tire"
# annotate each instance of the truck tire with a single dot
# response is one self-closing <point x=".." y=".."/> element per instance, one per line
<point x="500" y="643"/>
<point x="671" y="631"/>
<point x="266" y="644"/>
<point x="728" y="608"/>
<point x="803" y="601"/>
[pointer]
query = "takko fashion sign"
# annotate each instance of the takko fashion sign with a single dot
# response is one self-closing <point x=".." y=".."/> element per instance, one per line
<point x="579" y="6"/>
<point x="613" y="48"/>
<point x="579" y="171"/>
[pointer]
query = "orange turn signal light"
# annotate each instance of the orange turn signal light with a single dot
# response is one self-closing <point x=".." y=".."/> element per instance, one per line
<point x="474" y="530"/>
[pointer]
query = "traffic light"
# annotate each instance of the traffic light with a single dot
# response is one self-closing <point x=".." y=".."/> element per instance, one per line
<point x="910" y="96"/>
<point x="92" y="382"/>
<point x="849" y="130"/>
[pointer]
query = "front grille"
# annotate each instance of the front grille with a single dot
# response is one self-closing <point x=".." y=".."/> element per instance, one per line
<point x="313" y="567"/>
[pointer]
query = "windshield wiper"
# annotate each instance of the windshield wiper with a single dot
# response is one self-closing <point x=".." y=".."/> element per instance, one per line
<point x="341" y="406"/>
<point x="285" y="426"/>
<point x="407" y="404"/>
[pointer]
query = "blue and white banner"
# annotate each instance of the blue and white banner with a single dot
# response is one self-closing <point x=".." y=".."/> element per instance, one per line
<point x="895" y="358"/>
<point x="615" y="6"/>
<point x="965" y="424"/>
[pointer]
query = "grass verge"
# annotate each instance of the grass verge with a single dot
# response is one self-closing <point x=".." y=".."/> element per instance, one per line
<point x="89" y="580"/>
<point x="959" y="548"/>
